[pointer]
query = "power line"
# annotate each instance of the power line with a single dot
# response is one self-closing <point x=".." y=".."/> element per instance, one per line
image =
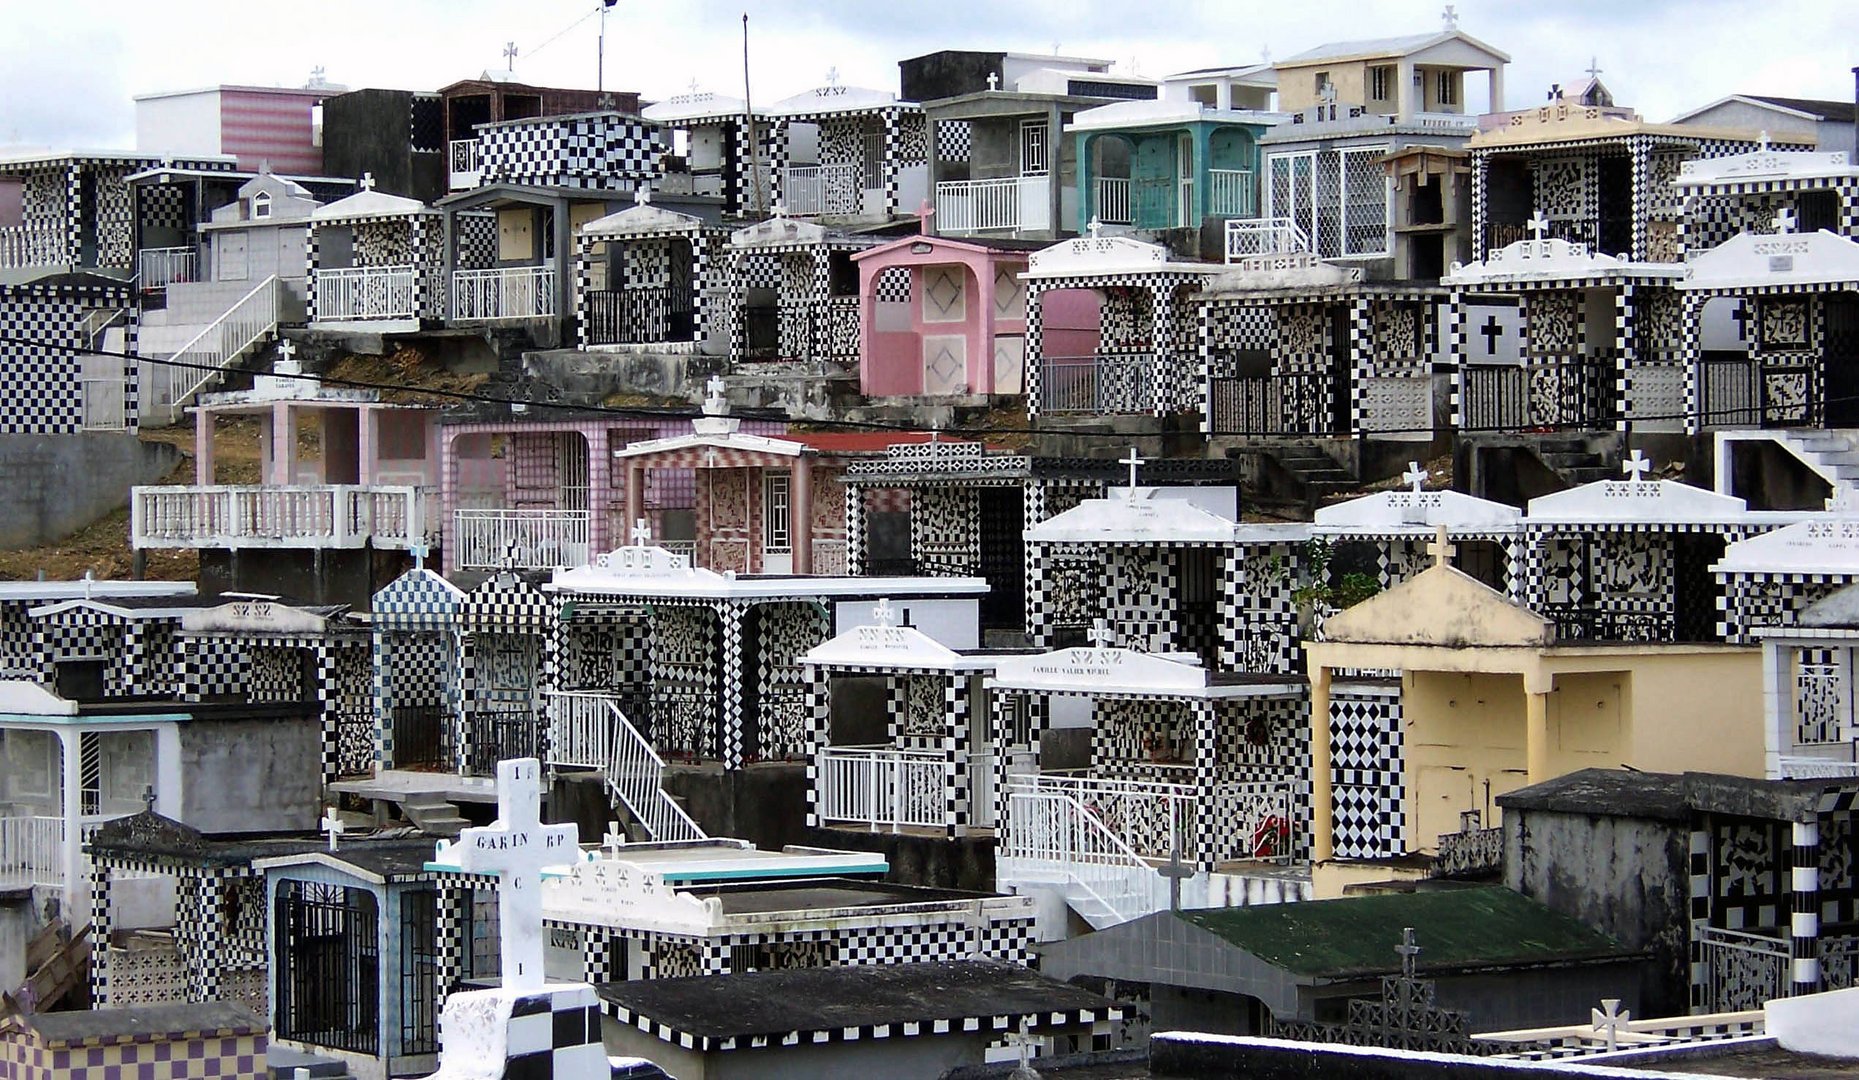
<point x="534" y="49"/>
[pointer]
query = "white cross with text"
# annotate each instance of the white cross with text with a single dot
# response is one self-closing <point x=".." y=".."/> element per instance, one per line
<point x="516" y="848"/>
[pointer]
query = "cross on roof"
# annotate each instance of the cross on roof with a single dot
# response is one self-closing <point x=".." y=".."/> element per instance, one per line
<point x="516" y="848"/>
<point x="1441" y="548"/>
<point x="883" y="614"/>
<point x="1594" y="67"/>
<point x="994" y="81"/>
<point x="642" y="195"/>
<point x="1415" y="475"/>
<point x="509" y="55"/>
<point x="1763" y="139"/>
<point x="1609" y="1019"/>
<point x="714" y="398"/>
<point x="367" y="181"/>
<point x="1636" y="466"/>
<point x="642" y="532"/>
<point x="1095" y="227"/>
<point x="1100" y="634"/>
<point x="1409" y="952"/>
<point x="1450" y="17"/>
<point x="148" y="798"/>
<point x="832" y="76"/>
<point x="1784" y="220"/>
<point x="1538" y="225"/>
<point x="614" y="839"/>
<point x="419" y="549"/>
<point x="693" y="84"/>
<point x="332" y="826"/>
<point x="1132" y="461"/>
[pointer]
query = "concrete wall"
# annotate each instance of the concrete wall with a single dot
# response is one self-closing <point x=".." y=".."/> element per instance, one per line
<point x="765" y="803"/>
<point x="315" y="577"/>
<point x="919" y="1058"/>
<point x="1626" y="877"/>
<point x="1217" y="1057"/>
<point x="181" y="124"/>
<point x="17" y="925"/>
<point x="949" y="73"/>
<point x="931" y="861"/>
<point x="58" y="484"/>
<point x="251" y="775"/>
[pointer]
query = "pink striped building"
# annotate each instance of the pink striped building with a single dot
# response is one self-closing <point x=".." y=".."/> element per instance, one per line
<point x="256" y="124"/>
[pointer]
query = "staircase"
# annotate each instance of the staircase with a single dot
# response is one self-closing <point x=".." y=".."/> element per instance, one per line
<point x="1831" y="455"/>
<point x="433" y="814"/>
<point x="587" y="729"/>
<point x="202" y="361"/>
<point x="1574" y="460"/>
<point x="1054" y="842"/>
<point x="1306" y="472"/>
<point x="57" y="962"/>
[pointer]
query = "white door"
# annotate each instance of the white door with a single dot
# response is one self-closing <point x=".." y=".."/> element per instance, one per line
<point x="777" y="522"/>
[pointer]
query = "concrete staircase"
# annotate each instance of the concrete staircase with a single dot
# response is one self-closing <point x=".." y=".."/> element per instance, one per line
<point x="1574" y="460"/>
<point x="1831" y="455"/>
<point x="1299" y="471"/>
<point x="432" y="813"/>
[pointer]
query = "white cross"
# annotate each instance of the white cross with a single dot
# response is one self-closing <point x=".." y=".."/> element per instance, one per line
<point x="332" y="825"/>
<point x="367" y="181"/>
<point x="1764" y="138"/>
<point x="1100" y="634"/>
<point x="713" y="393"/>
<point x="419" y="550"/>
<point x="1095" y="226"/>
<point x="1450" y="17"/>
<point x="286" y="350"/>
<point x="1328" y="93"/>
<point x="1132" y="461"/>
<point x="693" y="86"/>
<point x="509" y="55"/>
<point x="1441" y="548"/>
<point x="642" y="533"/>
<point x="882" y="614"/>
<point x="994" y="81"/>
<point x="1538" y="225"/>
<point x="642" y="195"/>
<point x="614" y="840"/>
<point x="1415" y="475"/>
<point x="516" y="848"/>
<point x="1784" y="220"/>
<point x="1609" y="1019"/>
<point x="832" y="76"/>
<point x="1636" y="466"/>
<point x="1409" y="951"/>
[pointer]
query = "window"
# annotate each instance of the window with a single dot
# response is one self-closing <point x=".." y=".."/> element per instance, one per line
<point x="1380" y="83"/>
<point x="1033" y="147"/>
<point x="261" y="205"/>
<point x="776" y="537"/>
<point x="1448" y="88"/>
<point x="1324" y="86"/>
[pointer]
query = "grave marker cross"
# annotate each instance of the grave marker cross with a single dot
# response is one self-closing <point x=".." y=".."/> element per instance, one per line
<point x="1132" y="461"/>
<point x="1784" y="220"/>
<point x="1441" y="548"/>
<point x="1100" y="634"/>
<point x="1538" y="225"/>
<point x="1415" y="475"/>
<point x="1609" y="1019"/>
<point x="1409" y="951"/>
<point x="642" y="533"/>
<point x="516" y="848"/>
<point x="1636" y="466"/>
<point x="332" y="825"/>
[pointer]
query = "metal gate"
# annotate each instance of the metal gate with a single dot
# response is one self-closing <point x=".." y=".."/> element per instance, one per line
<point x="1002" y="517"/>
<point x="328" y="966"/>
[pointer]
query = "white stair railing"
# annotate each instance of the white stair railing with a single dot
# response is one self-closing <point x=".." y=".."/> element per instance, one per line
<point x="1098" y="870"/>
<point x="203" y="361"/>
<point x="1264" y="236"/>
<point x="587" y="728"/>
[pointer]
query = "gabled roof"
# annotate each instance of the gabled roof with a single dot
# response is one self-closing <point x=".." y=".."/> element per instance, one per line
<point x="45" y="591"/>
<point x="1417" y="512"/>
<point x="642" y="219"/>
<point x="21" y="698"/>
<point x="1760" y="260"/>
<point x="1552" y="259"/>
<point x="1166" y="111"/>
<point x="699" y="105"/>
<point x="1765" y="165"/>
<point x="1392" y="47"/>
<point x="367" y="204"/>
<point x="1837" y="610"/>
<point x="880" y="646"/>
<point x="997" y="247"/>
<point x="834" y="99"/>
<point x="1839" y="112"/>
<point x="1639" y="502"/>
<point x="1134" y="517"/>
<point x="1085" y="255"/>
<point x="1441" y="606"/>
<point x="1826" y="546"/>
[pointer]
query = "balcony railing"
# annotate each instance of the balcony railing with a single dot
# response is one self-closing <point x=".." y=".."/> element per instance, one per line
<point x="821" y="190"/>
<point x="514" y="292"/>
<point x="465" y="157"/>
<point x="1232" y="193"/>
<point x="366" y="292"/>
<point x="1104" y="383"/>
<point x="879" y="786"/>
<point x="640" y="316"/>
<point x="1730" y="393"/>
<point x="1471" y="853"/>
<point x="1584" y="622"/>
<point x="499" y="733"/>
<point x="32" y="851"/>
<point x="1113" y="200"/>
<point x="23" y="246"/>
<point x="1264" y="236"/>
<point x="1821" y="762"/>
<point x="1543" y="393"/>
<point x="1157" y="819"/>
<point x="521" y="539"/>
<point x="1007" y="203"/>
<point x="1297" y="403"/>
<point x="158" y="268"/>
<point x="298" y="516"/>
<point x="1500" y="234"/>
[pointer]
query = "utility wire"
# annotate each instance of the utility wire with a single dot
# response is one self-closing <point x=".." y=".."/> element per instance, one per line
<point x="675" y="411"/>
<point x="562" y="33"/>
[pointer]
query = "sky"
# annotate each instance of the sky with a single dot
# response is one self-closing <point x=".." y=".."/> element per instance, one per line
<point x="68" y="72"/>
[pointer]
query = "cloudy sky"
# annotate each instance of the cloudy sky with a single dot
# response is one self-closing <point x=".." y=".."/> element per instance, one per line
<point x="68" y="70"/>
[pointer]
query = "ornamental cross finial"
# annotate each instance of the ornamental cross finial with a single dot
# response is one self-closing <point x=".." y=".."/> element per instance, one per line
<point x="1132" y="461"/>
<point x="1609" y="1019"/>
<point x="509" y="55"/>
<point x="1415" y="475"/>
<point x="1441" y="548"/>
<point x="614" y="840"/>
<point x="286" y="350"/>
<point x="367" y="181"/>
<point x="1409" y="951"/>
<point x="642" y="196"/>
<point x="1784" y="220"/>
<point x="832" y="76"/>
<point x="642" y="532"/>
<point x="1096" y="227"/>
<point x="148" y="798"/>
<point x="1450" y="17"/>
<point x="419" y="549"/>
<point x="715" y="402"/>
<point x="693" y="86"/>
<point x="883" y="614"/>
<point x="1594" y="66"/>
<point x="1763" y="139"/>
<point x="332" y="825"/>
<point x="1100" y="634"/>
<point x="994" y="81"/>
<point x="1538" y="225"/>
<point x="1636" y="466"/>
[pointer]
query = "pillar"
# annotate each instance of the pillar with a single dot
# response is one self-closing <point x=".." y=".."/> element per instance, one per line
<point x="1777" y="705"/>
<point x="71" y="807"/>
<point x="1536" y="728"/>
<point x="635" y="496"/>
<point x="1804" y="909"/>
<point x="209" y="926"/>
<point x="283" y="463"/>
<point x="1322" y="782"/>
<point x="1497" y="88"/>
<point x="1055" y="169"/>
<point x="730" y="719"/>
<point x="958" y="781"/>
<point x="800" y="514"/>
<point x="819" y="734"/>
<point x="100" y="930"/>
<point x="367" y="439"/>
<point x="1200" y="847"/>
<point x="203" y="447"/>
<point x="600" y="494"/>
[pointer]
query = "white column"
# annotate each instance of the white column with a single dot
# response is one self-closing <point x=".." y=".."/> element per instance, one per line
<point x="72" y="853"/>
<point x="1777" y="705"/>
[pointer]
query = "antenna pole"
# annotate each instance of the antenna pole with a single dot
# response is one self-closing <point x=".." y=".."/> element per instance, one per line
<point x="748" y="114"/>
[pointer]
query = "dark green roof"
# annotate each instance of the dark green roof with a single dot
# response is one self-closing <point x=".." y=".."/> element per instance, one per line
<point x="1455" y="928"/>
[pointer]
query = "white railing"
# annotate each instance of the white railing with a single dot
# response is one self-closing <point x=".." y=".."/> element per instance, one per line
<point x="814" y="190"/>
<point x="465" y="157"/>
<point x="1052" y="836"/>
<point x="1112" y="205"/>
<point x="1184" y="203"/>
<point x="23" y="246"/>
<point x="366" y="292"/>
<point x="1813" y="767"/>
<point x="881" y="786"/>
<point x="1013" y="202"/>
<point x="158" y="268"/>
<point x="521" y="539"/>
<point x="1105" y="383"/>
<point x="165" y="388"/>
<point x="32" y="851"/>
<point x="1581" y="1040"/>
<point x="1232" y="193"/>
<point x="303" y="516"/>
<point x="1264" y="236"/>
<point x="516" y="292"/>
<point x="105" y="402"/>
<point x="983" y="790"/>
<point x="589" y="729"/>
<point x="1157" y="819"/>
